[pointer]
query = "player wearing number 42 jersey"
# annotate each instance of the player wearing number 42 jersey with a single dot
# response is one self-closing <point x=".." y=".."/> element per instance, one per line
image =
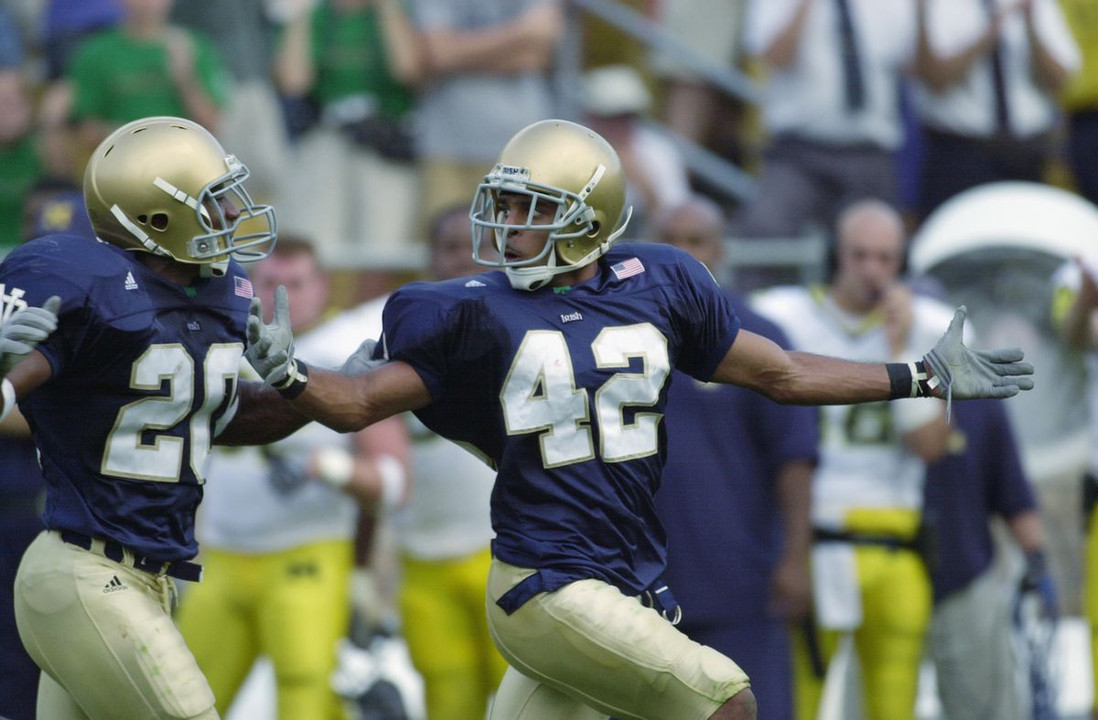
<point x="556" y="370"/>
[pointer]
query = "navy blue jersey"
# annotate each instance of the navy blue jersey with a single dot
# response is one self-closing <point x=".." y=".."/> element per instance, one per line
<point x="143" y="372"/>
<point x="719" y="502"/>
<point x="981" y="476"/>
<point x="564" y="393"/>
<point x="19" y="473"/>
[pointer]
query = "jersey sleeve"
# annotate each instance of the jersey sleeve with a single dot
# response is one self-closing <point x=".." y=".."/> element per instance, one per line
<point x="416" y="329"/>
<point x="706" y="319"/>
<point x="31" y="274"/>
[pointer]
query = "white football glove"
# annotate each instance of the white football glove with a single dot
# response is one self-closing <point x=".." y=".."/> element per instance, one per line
<point x="271" y="347"/>
<point x="361" y="360"/>
<point x="22" y="332"/>
<point x="964" y="373"/>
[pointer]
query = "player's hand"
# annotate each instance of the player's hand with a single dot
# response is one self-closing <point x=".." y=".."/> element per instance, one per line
<point x="361" y="360"/>
<point x="22" y="332"/>
<point x="964" y="373"/>
<point x="1037" y="580"/>
<point x="271" y="346"/>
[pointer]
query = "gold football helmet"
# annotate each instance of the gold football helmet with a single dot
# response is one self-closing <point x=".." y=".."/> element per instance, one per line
<point x="164" y="185"/>
<point x="565" y="164"/>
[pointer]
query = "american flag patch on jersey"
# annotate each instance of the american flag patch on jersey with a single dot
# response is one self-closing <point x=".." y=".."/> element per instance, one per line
<point x="627" y="268"/>
<point x="243" y="287"/>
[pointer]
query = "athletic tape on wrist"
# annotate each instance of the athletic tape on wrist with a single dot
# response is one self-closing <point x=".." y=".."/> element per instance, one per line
<point x="295" y="382"/>
<point x="909" y="380"/>
<point x="393" y="479"/>
<point x="7" y="391"/>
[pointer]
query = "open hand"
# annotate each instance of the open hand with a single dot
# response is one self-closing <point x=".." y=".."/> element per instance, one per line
<point x="22" y="332"/>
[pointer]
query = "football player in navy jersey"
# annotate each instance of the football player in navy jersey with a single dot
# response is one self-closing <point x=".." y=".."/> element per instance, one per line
<point x="123" y="353"/>
<point x="555" y="371"/>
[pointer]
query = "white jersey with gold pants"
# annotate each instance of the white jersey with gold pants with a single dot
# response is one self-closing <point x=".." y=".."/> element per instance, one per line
<point x="444" y="533"/>
<point x="869" y="579"/>
<point x="278" y="550"/>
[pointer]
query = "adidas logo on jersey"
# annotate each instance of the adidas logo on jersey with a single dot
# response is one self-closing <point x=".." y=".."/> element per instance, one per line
<point x="11" y="301"/>
<point x="475" y="283"/>
<point x="114" y="586"/>
<point x="131" y="284"/>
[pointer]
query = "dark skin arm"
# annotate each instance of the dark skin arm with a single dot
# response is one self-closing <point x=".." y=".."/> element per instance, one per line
<point x="262" y="418"/>
<point x="342" y="402"/>
<point x="31" y="372"/>
<point x="791" y="587"/>
<point x="800" y="378"/>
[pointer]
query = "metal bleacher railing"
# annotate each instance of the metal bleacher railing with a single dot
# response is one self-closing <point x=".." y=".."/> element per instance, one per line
<point x="805" y="256"/>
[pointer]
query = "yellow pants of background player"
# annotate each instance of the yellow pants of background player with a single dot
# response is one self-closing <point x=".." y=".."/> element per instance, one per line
<point x="446" y="629"/>
<point x="896" y="605"/>
<point x="292" y="606"/>
<point x="1090" y="595"/>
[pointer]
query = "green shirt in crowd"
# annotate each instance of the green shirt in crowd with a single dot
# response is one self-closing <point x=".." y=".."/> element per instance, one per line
<point x="117" y="78"/>
<point x="350" y="60"/>
<point x="22" y="169"/>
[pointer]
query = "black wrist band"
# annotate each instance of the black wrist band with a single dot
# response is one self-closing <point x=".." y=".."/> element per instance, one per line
<point x="295" y="384"/>
<point x="899" y="380"/>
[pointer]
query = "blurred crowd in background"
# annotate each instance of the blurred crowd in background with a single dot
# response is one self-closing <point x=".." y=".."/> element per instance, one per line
<point x="366" y="122"/>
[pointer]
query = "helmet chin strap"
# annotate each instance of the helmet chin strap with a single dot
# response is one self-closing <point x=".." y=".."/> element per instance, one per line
<point x="217" y="268"/>
<point x="535" y="278"/>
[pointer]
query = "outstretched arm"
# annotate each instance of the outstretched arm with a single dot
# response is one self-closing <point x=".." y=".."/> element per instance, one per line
<point x="347" y="403"/>
<point x="950" y="370"/>
<point x="800" y="378"/>
<point x="362" y="392"/>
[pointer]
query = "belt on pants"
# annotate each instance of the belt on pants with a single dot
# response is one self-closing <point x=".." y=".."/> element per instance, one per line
<point x="821" y="535"/>
<point x="180" y="569"/>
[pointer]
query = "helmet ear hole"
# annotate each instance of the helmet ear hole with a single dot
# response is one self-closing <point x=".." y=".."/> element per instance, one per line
<point x="160" y="221"/>
<point x="595" y="225"/>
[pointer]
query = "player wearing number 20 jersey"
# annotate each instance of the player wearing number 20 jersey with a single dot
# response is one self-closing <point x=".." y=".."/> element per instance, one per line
<point x="563" y="393"/>
<point x="144" y="372"/>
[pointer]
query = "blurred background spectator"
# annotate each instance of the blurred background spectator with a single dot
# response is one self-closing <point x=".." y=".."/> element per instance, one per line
<point x="20" y="155"/>
<point x="872" y="595"/>
<point x="737" y="484"/>
<point x="979" y="487"/>
<point x="144" y="66"/>
<point x="65" y="24"/>
<point x="488" y="64"/>
<point x="1080" y="98"/>
<point x="349" y="71"/>
<point x="988" y="103"/>
<point x="615" y="104"/>
<point x="251" y="123"/>
<point x="832" y="72"/>
<point x="692" y="106"/>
